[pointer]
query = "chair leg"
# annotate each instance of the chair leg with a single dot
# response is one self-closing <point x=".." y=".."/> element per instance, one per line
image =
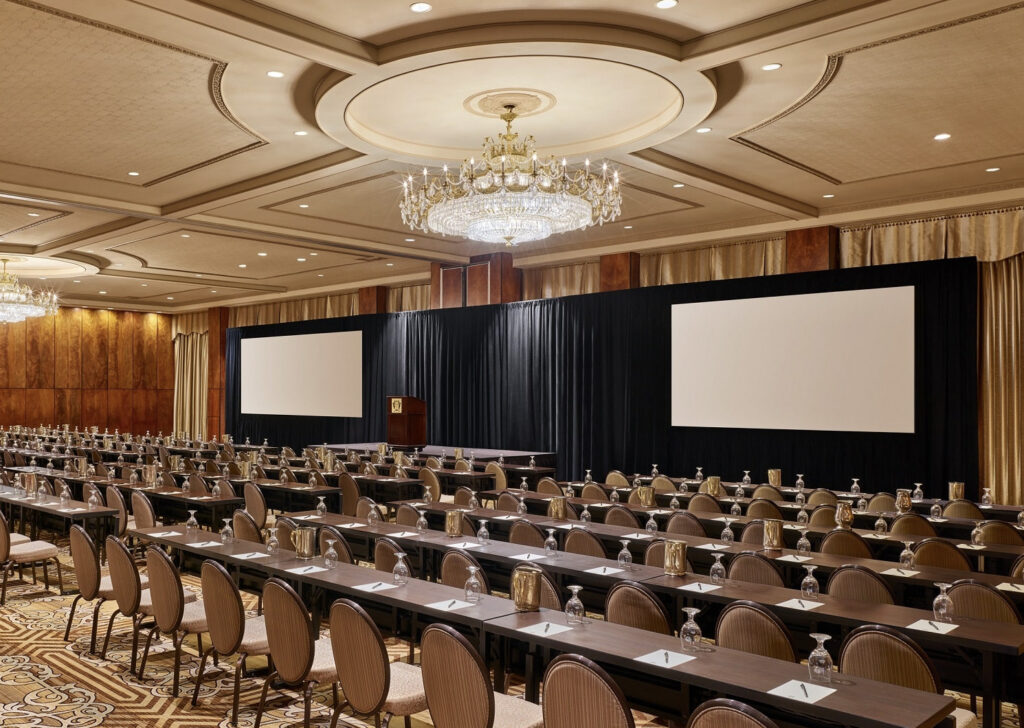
<point x="408" y="722"/>
<point x="263" y="698"/>
<point x="145" y="652"/>
<point x="71" y="618"/>
<point x="136" y="628"/>
<point x="60" y="577"/>
<point x="177" y="641"/>
<point x="307" y="698"/>
<point x="3" y="589"/>
<point x="46" y="575"/>
<point x="106" y="640"/>
<point x="337" y="713"/>
<point x="95" y="624"/>
<point x="239" y="669"/>
<point x="334" y="693"/>
<point x="199" y="676"/>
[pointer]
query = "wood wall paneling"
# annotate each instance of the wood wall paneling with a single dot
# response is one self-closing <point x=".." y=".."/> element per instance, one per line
<point x="12" y="406"/>
<point x="39" y="406"/>
<point x="144" y="411"/>
<point x="812" y="249"/>
<point x="39" y="353"/>
<point x="120" y="409"/>
<point x="120" y="333"/>
<point x="67" y="409"/>
<point x="164" y="357"/>
<point x="68" y="350"/>
<point x="217" y="342"/>
<point x="373" y="299"/>
<point x="478" y="284"/>
<point x="620" y="271"/>
<point x="14" y="355"/>
<point x="165" y="410"/>
<point x="94" y="351"/>
<point x="144" y="357"/>
<point x="94" y="407"/>
<point x="451" y="288"/>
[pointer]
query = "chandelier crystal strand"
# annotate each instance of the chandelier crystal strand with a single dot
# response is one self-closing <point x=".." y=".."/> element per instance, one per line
<point x="19" y="302"/>
<point x="510" y="196"/>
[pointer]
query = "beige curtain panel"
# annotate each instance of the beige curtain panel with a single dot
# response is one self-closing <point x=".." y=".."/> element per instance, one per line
<point x="300" y="309"/>
<point x="409" y="298"/>
<point x="715" y="263"/>
<point x="563" y="280"/>
<point x="190" y="377"/>
<point x="194" y="322"/>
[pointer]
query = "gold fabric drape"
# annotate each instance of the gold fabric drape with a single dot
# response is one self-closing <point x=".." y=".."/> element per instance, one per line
<point x="194" y="322"/>
<point x="300" y="309"/>
<point x="1001" y="379"/>
<point x="563" y="280"/>
<point x="719" y="262"/>
<point x="190" y="380"/>
<point x="409" y="298"/>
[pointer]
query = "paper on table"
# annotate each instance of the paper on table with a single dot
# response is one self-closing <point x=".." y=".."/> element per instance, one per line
<point x="545" y="628"/>
<point x="711" y="546"/>
<point x="570" y="526"/>
<point x="930" y="625"/>
<point x="506" y="518"/>
<point x="794" y="558"/>
<point x="529" y="557"/>
<point x="875" y="535"/>
<point x="404" y="534"/>
<point x="970" y="546"/>
<point x="599" y="505"/>
<point x="937" y="519"/>
<point x="1010" y="586"/>
<point x="637" y="535"/>
<point x="664" y="658"/>
<point x="723" y="519"/>
<point x="794" y="690"/>
<point x="661" y="511"/>
<point x="449" y="606"/>
<point x="165" y="534"/>
<point x="206" y="544"/>
<point x="984" y="506"/>
<point x="376" y="586"/>
<point x="805" y="605"/>
<point x="603" y="570"/>
<point x="306" y="570"/>
<point x="251" y="555"/>
<point x="699" y="586"/>
<point x="352" y="525"/>
<point x="76" y="510"/>
<point x="793" y="527"/>
<point x="900" y="572"/>
<point x="466" y="545"/>
<point x="304" y="518"/>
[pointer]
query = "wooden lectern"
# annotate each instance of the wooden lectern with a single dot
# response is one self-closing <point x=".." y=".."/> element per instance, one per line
<point x="407" y="421"/>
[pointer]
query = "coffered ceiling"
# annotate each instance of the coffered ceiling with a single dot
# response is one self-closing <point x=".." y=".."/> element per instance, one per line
<point x="176" y="154"/>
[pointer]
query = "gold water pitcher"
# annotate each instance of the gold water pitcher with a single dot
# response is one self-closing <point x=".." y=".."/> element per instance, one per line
<point x="675" y="558"/>
<point x="244" y="468"/>
<point x="903" y="500"/>
<point x="557" y="507"/>
<point x="956" y="490"/>
<point x="714" y="486"/>
<point x="526" y="588"/>
<point x="453" y="522"/>
<point x="645" y="493"/>
<point x="775" y="477"/>
<point x="149" y="474"/>
<point x="772" y="539"/>
<point x="29" y="483"/>
<point x="82" y="465"/>
<point x="844" y="514"/>
<point x="304" y="541"/>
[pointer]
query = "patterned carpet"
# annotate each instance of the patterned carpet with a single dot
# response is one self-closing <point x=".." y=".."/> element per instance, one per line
<point x="46" y="682"/>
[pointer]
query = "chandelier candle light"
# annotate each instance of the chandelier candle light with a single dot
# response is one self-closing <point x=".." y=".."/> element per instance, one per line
<point x="19" y="302"/>
<point x="510" y="196"/>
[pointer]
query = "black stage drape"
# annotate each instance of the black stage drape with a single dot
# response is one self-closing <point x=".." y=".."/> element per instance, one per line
<point x="589" y="378"/>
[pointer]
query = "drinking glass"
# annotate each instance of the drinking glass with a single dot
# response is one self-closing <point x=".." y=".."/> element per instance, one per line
<point x="421" y="522"/>
<point x="654" y="470"/>
<point x="799" y="481"/>
<point x="215" y="490"/>
<point x="191" y="525"/>
<point x="689" y="633"/>
<point x="428" y="495"/>
<point x="585" y="516"/>
<point x="674" y="504"/>
<point x="474" y="502"/>
<point x="942" y="606"/>
<point x="700" y="474"/>
<point x="855" y="488"/>
<point x="918" y="493"/>
<point x="588" y="478"/>
<point x="735" y="510"/>
<point x="935" y="510"/>
<point x="728" y="537"/>
<point x="551" y="545"/>
<point x="800" y="499"/>
<point x="614" y="496"/>
<point x="533" y="461"/>
<point x="881" y="527"/>
<point x="740" y="492"/>
<point x="746" y="478"/>
<point x="373" y="516"/>
<point x="321" y="507"/>
<point x="819" y="662"/>
<point x="65" y="496"/>
<point x="473" y="587"/>
<point x="1020" y="519"/>
<point x="862" y="504"/>
<point x="226" y="533"/>
<point x="521" y="508"/>
<point x="400" y="573"/>
<point x="625" y="558"/>
<point x="331" y="555"/>
<point x="976" y="535"/>
<point x="283" y="478"/>
<point x="483" y="536"/>
<point x="801" y="517"/>
<point x="185" y="486"/>
<point x="94" y="501"/>
<point x="636" y="481"/>
<point x="523" y="485"/>
<point x="683" y="488"/>
<point x="907" y="555"/>
<point x="272" y="543"/>
<point x="803" y="544"/>
<point x="651" y="526"/>
<point x="809" y="586"/>
<point x="986" y="496"/>
<point x="574" y="607"/>
<point x="717" y="572"/>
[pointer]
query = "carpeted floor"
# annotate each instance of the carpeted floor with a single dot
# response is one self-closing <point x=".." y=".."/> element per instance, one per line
<point x="46" y="682"/>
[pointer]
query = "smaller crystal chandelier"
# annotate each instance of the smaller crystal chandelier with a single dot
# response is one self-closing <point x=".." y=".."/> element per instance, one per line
<point x="19" y="302"/>
<point x="510" y="196"/>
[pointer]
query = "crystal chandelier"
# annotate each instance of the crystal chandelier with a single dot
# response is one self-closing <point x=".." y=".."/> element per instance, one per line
<point x="19" y="302"/>
<point x="510" y="196"/>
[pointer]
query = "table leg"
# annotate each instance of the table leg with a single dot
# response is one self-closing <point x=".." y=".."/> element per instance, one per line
<point x="532" y="683"/>
<point x="991" y="706"/>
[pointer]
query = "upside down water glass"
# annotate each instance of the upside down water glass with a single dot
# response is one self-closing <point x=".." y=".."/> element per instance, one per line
<point x="400" y="573"/>
<point x="483" y="536"/>
<point x="819" y="662"/>
<point x="942" y="606"/>
<point x="728" y="537"/>
<point x="551" y="545"/>
<point x="625" y="557"/>
<point x="574" y="607"/>
<point x="191" y="525"/>
<point x="809" y="586"/>
<point x="907" y="555"/>
<point x="473" y="588"/>
<point x="690" y="634"/>
<point x="717" y="572"/>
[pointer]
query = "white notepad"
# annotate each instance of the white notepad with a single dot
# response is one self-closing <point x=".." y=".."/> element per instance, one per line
<point x="206" y="544"/>
<point x="250" y="555"/>
<point x="376" y="586"/>
<point x="304" y="518"/>
<point x="466" y="545"/>
<point x="404" y="534"/>
<point x="165" y="534"/>
<point x="930" y="625"/>
<point x="900" y="572"/>
<point x="529" y="557"/>
<point x="306" y="570"/>
<point x="664" y="658"/>
<point x="506" y="518"/>
<point x="805" y="605"/>
<point x="449" y="606"/>
<point x="352" y="525"/>
<point x="711" y="546"/>
<point x="796" y="689"/>
<point x="545" y="629"/>
<point x="699" y="587"/>
<point x="970" y="546"/>
<point x="794" y="558"/>
<point x="1010" y="586"/>
<point x="636" y="535"/>
<point x="77" y="510"/>
<point x="937" y="519"/>
<point x="603" y="570"/>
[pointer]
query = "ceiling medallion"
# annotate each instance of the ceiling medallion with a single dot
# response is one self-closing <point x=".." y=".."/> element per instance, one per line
<point x="19" y="302"/>
<point x="510" y="196"/>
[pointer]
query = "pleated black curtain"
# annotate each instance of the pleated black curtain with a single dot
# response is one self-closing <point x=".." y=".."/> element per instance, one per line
<point x="589" y="378"/>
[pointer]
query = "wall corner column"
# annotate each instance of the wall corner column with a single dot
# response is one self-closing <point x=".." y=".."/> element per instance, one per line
<point x="620" y="271"/>
<point x="216" y="371"/>
<point x="812" y="249"/>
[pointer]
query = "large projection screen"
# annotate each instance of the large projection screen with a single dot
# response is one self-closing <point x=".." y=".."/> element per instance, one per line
<point x="316" y="375"/>
<point x="838" y="361"/>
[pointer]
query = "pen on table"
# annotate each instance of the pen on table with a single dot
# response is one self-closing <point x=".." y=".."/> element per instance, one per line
<point x="899" y="571"/>
<point x="804" y="688"/>
<point x="451" y="603"/>
<point x="933" y="625"/>
<point x="547" y="627"/>
<point x="802" y="605"/>
<point x="666" y="656"/>
<point x="378" y="584"/>
<point x="700" y="587"/>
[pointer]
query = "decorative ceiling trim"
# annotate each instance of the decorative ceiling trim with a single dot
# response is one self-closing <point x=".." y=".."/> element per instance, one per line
<point x="216" y="96"/>
<point x="831" y="69"/>
<point x="58" y="214"/>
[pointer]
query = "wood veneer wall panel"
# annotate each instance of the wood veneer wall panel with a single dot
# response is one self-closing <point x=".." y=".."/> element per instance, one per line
<point x="94" y="353"/>
<point x="164" y="357"/>
<point x="120" y="408"/>
<point x="14" y="355"/>
<point x="478" y="288"/>
<point x="12" y="406"/>
<point x="39" y="406"/>
<point x="39" y="354"/>
<point x="67" y="350"/>
<point x="67" y="407"/>
<point x="144" y="411"/>
<point x="94" y="408"/>
<point x="165" y="410"/>
<point x="120" y="330"/>
<point x="144" y="364"/>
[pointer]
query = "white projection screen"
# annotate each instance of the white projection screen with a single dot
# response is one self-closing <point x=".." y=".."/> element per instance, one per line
<point x="315" y="375"/>
<point x="839" y="361"/>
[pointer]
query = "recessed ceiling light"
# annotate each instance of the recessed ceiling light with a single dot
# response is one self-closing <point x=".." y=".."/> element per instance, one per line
<point x="303" y="206"/>
<point x="118" y="265"/>
<point x="666" y="4"/>
<point x="390" y="265"/>
<point x="185" y="235"/>
<point x="828" y="197"/>
<point x="199" y="275"/>
<point x="275" y="74"/>
<point x="144" y="285"/>
<point x="301" y="133"/>
<point x="262" y="255"/>
<point x="941" y="137"/>
<point x="170" y="298"/>
<point x="313" y="253"/>
<point x="410" y="240"/>
<point x="704" y="130"/>
<point x="992" y="169"/>
<point x="133" y="174"/>
<point x="103" y="293"/>
<point x="421" y="7"/>
<point x="319" y="275"/>
<point x="42" y="278"/>
<point x="212" y="291"/>
<point x="627" y="227"/>
<point x="76" y="281"/>
<point x="301" y="260"/>
<point x="242" y="265"/>
<point x="677" y="185"/>
<point x="771" y="67"/>
<point x="33" y="214"/>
